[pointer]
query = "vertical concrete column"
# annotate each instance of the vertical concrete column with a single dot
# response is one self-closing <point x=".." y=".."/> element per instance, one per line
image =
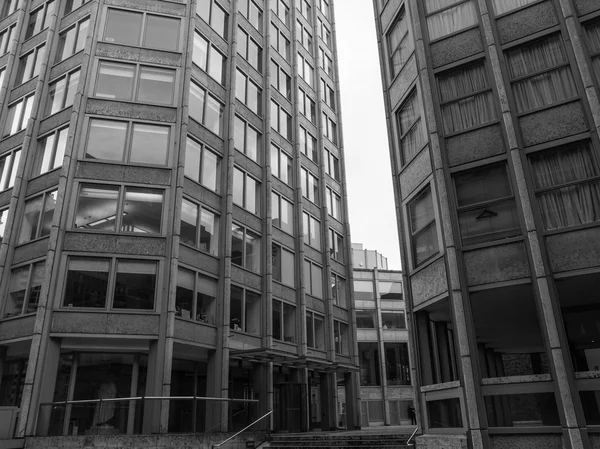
<point x="328" y="405"/>
<point x="380" y="345"/>
<point x="455" y="287"/>
<point x="563" y="378"/>
<point x="352" y="391"/>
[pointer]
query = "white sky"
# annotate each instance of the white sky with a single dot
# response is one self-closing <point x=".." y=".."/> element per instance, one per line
<point x="368" y="170"/>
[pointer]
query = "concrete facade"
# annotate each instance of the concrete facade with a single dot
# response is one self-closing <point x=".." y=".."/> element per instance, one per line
<point x="487" y="103"/>
<point x="173" y="207"/>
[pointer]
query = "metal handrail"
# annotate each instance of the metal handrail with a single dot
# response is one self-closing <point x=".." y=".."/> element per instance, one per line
<point x="412" y="436"/>
<point x="245" y="428"/>
<point x="137" y="398"/>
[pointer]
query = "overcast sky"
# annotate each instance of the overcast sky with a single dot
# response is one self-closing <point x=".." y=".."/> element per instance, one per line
<point x="368" y="170"/>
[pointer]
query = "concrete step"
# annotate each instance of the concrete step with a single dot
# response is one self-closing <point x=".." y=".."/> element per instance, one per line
<point x="365" y="446"/>
<point x="340" y="443"/>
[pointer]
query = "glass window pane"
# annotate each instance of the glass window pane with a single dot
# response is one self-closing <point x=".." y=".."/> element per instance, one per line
<point x="237" y="245"/>
<point x="48" y="215"/>
<point x="193" y="152"/>
<point x="238" y="187"/>
<point x="196" y="100"/>
<point x="252" y="247"/>
<point x="150" y="144"/>
<point x="317" y="281"/>
<point x="123" y="27"/>
<point x="252" y="195"/>
<point x="142" y="211"/>
<point x="106" y="140"/>
<point x="162" y="32"/>
<point x="184" y="296"/>
<point x="216" y="65"/>
<point x="189" y="222"/>
<point x="209" y="232"/>
<point x="156" y="85"/>
<point x="115" y="80"/>
<point x="87" y="283"/>
<point x="97" y="207"/>
<point x="214" y="115"/>
<point x="71" y="89"/>
<point x="211" y="170"/>
<point x="31" y="219"/>
<point x="235" y="312"/>
<point x="56" y="96"/>
<point x="200" y="52"/>
<point x="135" y="285"/>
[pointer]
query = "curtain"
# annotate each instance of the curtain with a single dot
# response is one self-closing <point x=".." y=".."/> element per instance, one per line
<point x="436" y="5"/>
<point x="502" y="6"/>
<point x="451" y="20"/>
<point x="571" y="205"/>
<point x="466" y="112"/>
<point x="592" y="32"/>
<point x="539" y="56"/>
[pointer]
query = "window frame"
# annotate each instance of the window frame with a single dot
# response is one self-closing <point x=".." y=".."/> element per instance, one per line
<point x="259" y="140"/>
<point x="305" y="70"/>
<point x="304" y="138"/>
<point x="258" y="244"/>
<point x="39" y="230"/>
<point x="443" y="10"/>
<point x="210" y="48"/>
<point x="66" y="94"/>
<point x="26" y="71"/>
<point x="282" y="279"/>
<point x="282" y="11"/>
<point x="307" y="106"/>
<point x="55" y="154"/>
<point x="6" y="41"/>
<point x="305" y="9"/>
<point x="246" y="11"/>
<point x="335" y="251"/>
<point x="309" y="287"/>
<point x="246" y="101"/>
<point x="280" y="39"/>
<point x="244" y="325"/>
<point x="277" y="200"/>
<point x="277" y="171"/>
<point x="195" y="316"/>
<point x="245" y="193"/>
<point x="62" y="40"/>
<point x="27" y="299"/>
<point x="213" y="4"/>
<point x="330" y="130"/>
<point x="304" y="36"/>
<point x="215" y="249"/>
<point x="312" y="195"/>
<point x="43" y="23"/>
<point x="307" y="219"/>
<point x="334" y="198"/>
<point x="332" y="165"/>
<point x="285" y="338"/>
<point x="341" y="338"/>
<point x="414" y="233"/>
<point x="311" y="331"/>
<point x="402" y="15"/>
<point x="120" y="208"/>
<point x="9" y="164"/>
<point x="338" y="293"/>
<point x="72" y="5"/>
<point x="281" y="110"/>
<point x="285" y="90"/>
<point x="218" y="157"/>
<point x="246" y="51"/>
<point x="23" y="115"/>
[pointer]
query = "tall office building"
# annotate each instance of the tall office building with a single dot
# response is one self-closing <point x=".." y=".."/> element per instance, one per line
<point x="493" y="114"/>
<point x="385" y="384"/>
<point x="173" y="215"/>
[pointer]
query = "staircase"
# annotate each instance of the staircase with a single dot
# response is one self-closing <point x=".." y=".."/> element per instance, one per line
<point x="340" y="440"/>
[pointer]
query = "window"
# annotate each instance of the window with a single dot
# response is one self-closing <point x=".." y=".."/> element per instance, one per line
<point x="281" y="164"/>
<point x="393" y="320"/>
<point x="72" y="5"/>
<point x="522" y="409"/>
<point x="370" y="369"/>
<point x="324" y="32"/>
<point x="390" y="290"/>
<point x="410" y="128"/>
<point x="310" y="185"/>
<point x="486" y="205"/>
<point x="338" y="290"/>
<point x="126" y="141"/>
<point x="340" y="335"/>
<point x="113" y="208"/>
<point x="328" y="94"/>
<point x="305" y="9"/>
<point x="8" y="7"/>
<point x="332" y="165"/>
<point x="3" y="221"/>
<point x="206" y="109"/>
<point x="540" y="73"/>
<point x="283" y="263"/>
<point x="202" y="165"/>
<point x="6" y="39"/>
<point x="119" y="81"/>
<point x="312" y="231"/>
<point x="245" y="248"/>
<point x="304" y="36"/>
<point x="366" y="319"/>
<point x="308" y="145"/>
<point x="281" y="121"/>
<point x="567" y="186"/>
<point x="214" y="15"/>
<point x="9" y="163"/>
<point x="284" y="321"/>
<point x="280" y="80"/>
<point x="444" y="18"/>
<point x="127" y="27"/>
<point x="252" y="12"/>
<point x="206" y="56"/>
<point x="280" y="42"/>
<point x="306" y="106"/>
<point x="334" y="204"/>
<point x="282" y="213"/>
<point x="50" y="151"/>
<point x="196" y="296"/>
<point x="363" y="291"/>
<point x="72" y="40"/>
<point x="592" y="35"/>
<point x="248" y="92"/>
<point x="281" y="10"/>
<point x="502" y="6"/>
<point x="313" y="279"/>
<point x="245" y="311"/>
<point x="39" y="19"/>
<point x="249" y="49"/>
<point x="199" y="227"/>
<point x="315" y="331"/>
<point x="329" y="128"/>
<point x="324" y="7"/>
<point x="61" y="93"/>
<point x="2" y="76"/>
<point x="246" y="191"/>
<point x="18" y="115"/>
<point x="336" y="246"/>
<point x="466" y="98"/>
<point x="37" y="217"/>
<point x="12" y="382"/>
<point x="89" y="278"/>
<point x="400" y="45"/>
<point x="24" y="289"/>
<point x="397" y="367"/>
<point x="305" y="70"/>
<point x="246" y="139"/>
<point x="423" y="232"/>
<point x="30" y="64"/>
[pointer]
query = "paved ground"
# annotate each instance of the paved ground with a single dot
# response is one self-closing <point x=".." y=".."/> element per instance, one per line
<point x="379" y="430"/>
